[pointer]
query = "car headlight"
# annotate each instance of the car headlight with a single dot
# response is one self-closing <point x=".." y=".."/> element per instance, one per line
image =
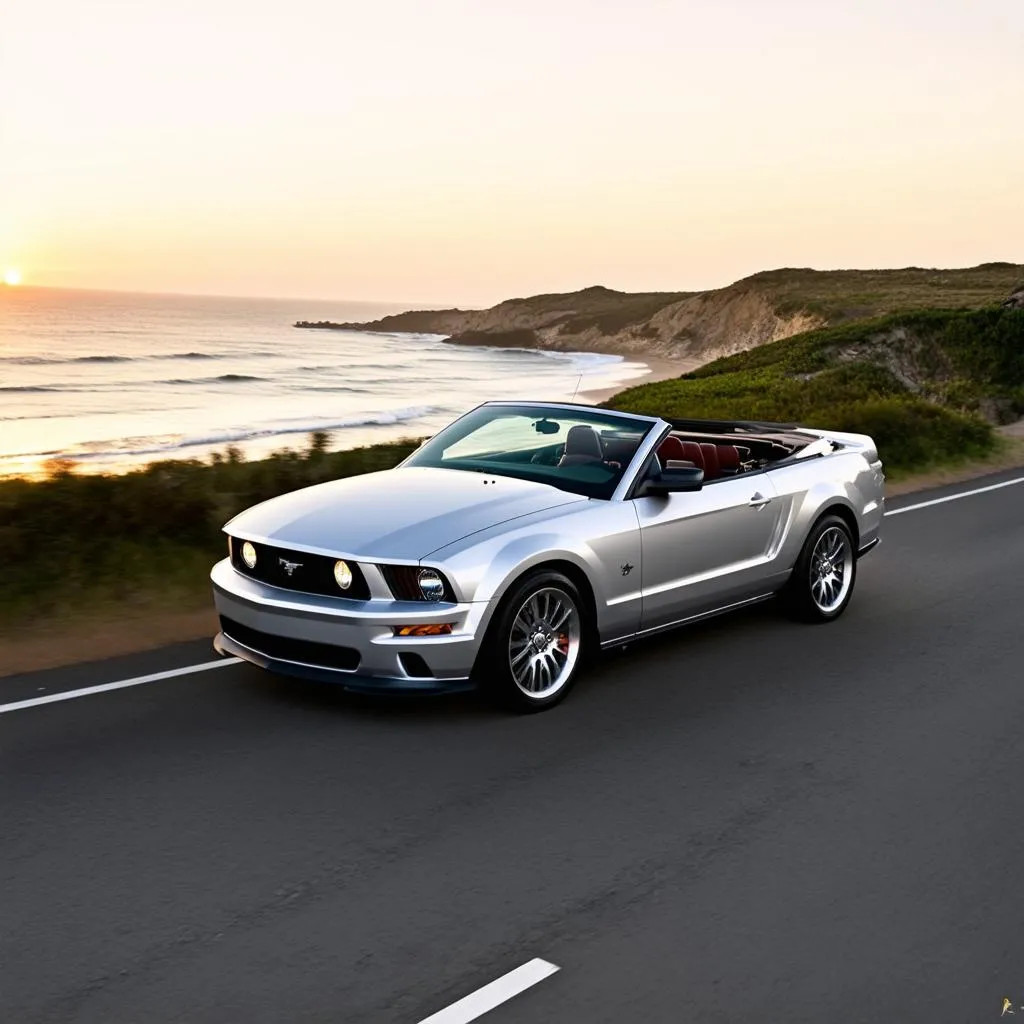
<point x="249" y="555"/>
<point x="431" y="585"/>
<point x="342" y="574"/>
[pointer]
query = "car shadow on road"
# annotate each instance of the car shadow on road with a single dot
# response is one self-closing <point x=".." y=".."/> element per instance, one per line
<point x="608" y="670"/>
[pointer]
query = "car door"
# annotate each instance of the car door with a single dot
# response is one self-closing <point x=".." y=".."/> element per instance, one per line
<point x="706" y="549"/>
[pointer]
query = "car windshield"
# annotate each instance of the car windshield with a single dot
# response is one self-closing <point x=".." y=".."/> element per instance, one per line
<point x="584" y="451"/>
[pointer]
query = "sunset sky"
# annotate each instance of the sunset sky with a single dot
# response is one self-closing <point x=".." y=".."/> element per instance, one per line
<point x="467" y="150"/>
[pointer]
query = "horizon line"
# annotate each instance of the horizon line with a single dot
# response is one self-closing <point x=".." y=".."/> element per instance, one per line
<point x="411" y="305"/>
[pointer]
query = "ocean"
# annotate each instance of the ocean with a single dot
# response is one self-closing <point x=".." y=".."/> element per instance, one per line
<point x="117" y="380"/>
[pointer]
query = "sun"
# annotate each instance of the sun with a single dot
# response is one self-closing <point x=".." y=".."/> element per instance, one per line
<point x="12" y="277"/>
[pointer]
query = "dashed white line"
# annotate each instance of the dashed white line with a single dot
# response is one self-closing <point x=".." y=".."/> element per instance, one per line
<point x="499" y="991"/>
<point x="87" y="691"/>
<point x="955" y="497"/>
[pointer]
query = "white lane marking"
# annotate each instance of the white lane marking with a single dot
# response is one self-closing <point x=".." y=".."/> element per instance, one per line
<point x="955" y="497"/>
<point x="499" y="991"/>
<point x="87" y="691"/>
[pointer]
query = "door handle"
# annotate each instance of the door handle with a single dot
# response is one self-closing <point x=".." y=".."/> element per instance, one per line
<point x="758" y="500"/>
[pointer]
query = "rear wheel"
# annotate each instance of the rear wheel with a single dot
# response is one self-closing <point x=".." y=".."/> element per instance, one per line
<point x="535" y="644"/>
<point x="824" y="575"/>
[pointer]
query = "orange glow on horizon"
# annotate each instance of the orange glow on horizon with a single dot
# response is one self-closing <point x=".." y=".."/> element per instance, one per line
<point x="503" y="150"/>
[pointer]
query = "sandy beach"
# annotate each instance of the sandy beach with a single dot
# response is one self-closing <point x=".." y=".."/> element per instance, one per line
<point x="659" y="367"/>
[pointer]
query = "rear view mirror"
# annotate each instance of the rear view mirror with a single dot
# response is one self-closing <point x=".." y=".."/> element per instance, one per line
<point x="546" y="426"/>
<point x="675" y="476"/>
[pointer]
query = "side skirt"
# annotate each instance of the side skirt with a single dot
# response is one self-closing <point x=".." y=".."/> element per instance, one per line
<point x="620" y="641"/>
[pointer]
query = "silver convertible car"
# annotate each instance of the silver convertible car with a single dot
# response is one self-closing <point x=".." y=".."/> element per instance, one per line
<point x="524" y="537"/>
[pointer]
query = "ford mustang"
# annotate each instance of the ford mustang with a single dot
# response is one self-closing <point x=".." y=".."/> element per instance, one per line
<point x="525" y="537"/>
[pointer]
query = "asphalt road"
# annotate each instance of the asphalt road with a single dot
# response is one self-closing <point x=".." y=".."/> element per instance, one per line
<point x="750" y="820"/>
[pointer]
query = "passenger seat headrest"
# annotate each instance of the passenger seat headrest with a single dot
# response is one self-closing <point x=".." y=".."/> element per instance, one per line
<point x="670" y="448"/>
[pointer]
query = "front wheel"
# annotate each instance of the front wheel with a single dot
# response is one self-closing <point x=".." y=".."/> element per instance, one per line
<point x="822" y="582"/>
<point x="534" y="646"/>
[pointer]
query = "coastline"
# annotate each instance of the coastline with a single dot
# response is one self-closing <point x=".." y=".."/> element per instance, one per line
<point x="659" y="368"/>
<point x="597" y="375"/>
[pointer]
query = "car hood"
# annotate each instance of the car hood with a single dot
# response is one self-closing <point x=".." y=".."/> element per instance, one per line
<point x="400" y="513"/>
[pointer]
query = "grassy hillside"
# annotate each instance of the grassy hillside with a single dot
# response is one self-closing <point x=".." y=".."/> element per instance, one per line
<point x="840" y="295"/>
<point x="927" y="385"/>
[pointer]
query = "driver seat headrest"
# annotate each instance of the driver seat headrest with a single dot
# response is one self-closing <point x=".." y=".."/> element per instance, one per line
<point x="581" y="445"/>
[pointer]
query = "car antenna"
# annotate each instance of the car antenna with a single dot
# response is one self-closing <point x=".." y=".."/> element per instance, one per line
<point x="578" y="383"/>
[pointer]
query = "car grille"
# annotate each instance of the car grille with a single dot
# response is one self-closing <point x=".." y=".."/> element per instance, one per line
<point x="310" y="574"/>
<point x="286" y="649"/>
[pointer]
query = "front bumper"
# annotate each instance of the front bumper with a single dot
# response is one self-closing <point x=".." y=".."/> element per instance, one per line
<point x="870" y="546"/>
<point x="349" y="643"/>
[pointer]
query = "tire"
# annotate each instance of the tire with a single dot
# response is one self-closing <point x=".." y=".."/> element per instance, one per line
<point x="823" y="578"/>
<point x="531" y="655"/>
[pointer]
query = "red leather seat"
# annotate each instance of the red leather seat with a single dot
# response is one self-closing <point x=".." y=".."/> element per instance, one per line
<point x="692" y="453"/>
<point x="670" y="448"/>
<point x="728" y="459"/>
<point x="710" y="453"/>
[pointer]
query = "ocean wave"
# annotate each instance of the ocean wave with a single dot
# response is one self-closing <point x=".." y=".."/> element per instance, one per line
<point x="578" y="360"/>
<point x="228" y="354"/>
<point x="343" y="365"/>
<point x="117" y="358"/>
<point x="56" y="416"/>
<point x="116" y="386"/>
<point x="44" y="361"/>
<point x="168" y="445"/>
<point x="405" y="335"/>
<point x="224" y="378"/>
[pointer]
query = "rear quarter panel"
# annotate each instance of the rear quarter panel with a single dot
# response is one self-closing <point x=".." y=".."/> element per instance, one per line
<point x="852" y="479"/>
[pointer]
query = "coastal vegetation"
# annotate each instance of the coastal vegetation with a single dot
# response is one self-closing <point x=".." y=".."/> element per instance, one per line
<point x="73" y="541"/>
<point x="928" y="386"/>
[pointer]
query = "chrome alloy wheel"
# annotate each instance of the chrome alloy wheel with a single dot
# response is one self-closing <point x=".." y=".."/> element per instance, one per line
<point x="544" y="642"/>
<point x="831" y="569"/>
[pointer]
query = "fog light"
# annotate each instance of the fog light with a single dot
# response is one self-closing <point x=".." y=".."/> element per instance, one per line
<point x="432" y="629"/>
<point x="249" y="555"/>
<point x="342" y="575"/>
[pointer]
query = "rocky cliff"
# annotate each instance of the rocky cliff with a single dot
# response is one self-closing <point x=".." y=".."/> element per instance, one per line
<point x="701" y="326"/>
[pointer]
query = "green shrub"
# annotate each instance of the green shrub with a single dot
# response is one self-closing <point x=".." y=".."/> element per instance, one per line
<point x="912" y="433"/>
<point x="73" y="538"/>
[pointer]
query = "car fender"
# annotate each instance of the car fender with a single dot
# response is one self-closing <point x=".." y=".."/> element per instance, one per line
<point x="601" y="540"/>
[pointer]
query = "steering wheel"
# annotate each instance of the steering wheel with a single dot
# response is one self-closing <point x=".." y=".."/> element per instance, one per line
<point x="547" y="457"/>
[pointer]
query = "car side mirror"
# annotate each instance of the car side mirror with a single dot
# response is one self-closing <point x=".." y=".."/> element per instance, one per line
<point x="675" y="475"/>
